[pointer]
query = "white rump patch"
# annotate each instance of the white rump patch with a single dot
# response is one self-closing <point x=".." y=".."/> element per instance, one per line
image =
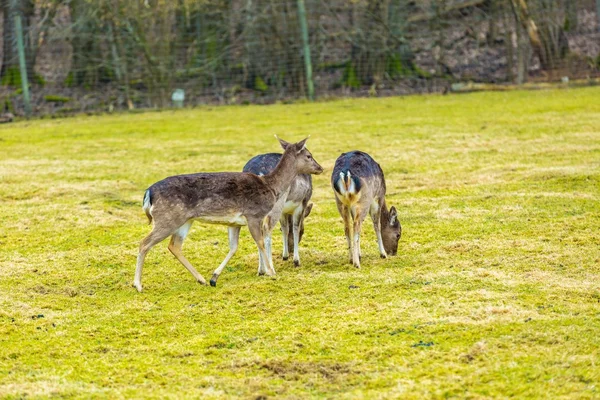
<point x="146" y="203"/>
<point x="347" y="189"/>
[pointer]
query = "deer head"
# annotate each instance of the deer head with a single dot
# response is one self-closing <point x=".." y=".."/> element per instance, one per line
<point x="305" y="163"/>
<point x="391" y="231"/>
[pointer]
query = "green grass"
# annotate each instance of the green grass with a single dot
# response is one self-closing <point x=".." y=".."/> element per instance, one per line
<point x="495" y="292"/>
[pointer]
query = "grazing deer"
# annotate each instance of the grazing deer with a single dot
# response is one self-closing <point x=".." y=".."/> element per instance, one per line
<point x="234" y="199"/>
<point x="295" y="208"/>
<point x="359" y="188"/>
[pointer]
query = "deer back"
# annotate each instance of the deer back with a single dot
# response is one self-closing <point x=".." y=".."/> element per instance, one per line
<point x="356" y="176"/>
<point x="222" y="197"/>
<point x="300" y="189"/>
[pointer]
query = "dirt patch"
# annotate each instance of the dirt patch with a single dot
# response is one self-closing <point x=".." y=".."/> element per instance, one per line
<point x="293" y="370"/>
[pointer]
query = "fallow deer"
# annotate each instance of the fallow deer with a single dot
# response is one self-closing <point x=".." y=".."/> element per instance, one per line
<point x="296" y="207"/>
<point x="359" y="187"/>
<point x="233" y="199"/>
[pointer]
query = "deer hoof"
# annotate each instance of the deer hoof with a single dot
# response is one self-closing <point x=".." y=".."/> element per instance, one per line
<point x="383" y="256"/>
<point x="296" y="263"/>
<point x="138" y="287"/>
<point x="285" y="258"/>
<point x="213" y="280"/>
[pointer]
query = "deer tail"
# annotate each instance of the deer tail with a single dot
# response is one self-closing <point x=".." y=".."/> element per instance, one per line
<point x="147" y="205"/>
<point x="347" y="184"/>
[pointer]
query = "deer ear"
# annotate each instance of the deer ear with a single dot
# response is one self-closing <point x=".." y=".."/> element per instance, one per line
<point x="283" y="143"/>
<point x="393" y="215"/>
<point x="301" y="144"/>
<point x="307" y="210"/>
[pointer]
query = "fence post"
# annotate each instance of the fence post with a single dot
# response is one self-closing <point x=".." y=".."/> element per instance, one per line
<point x="306" y="46"/>
<point x="22" y="64"/>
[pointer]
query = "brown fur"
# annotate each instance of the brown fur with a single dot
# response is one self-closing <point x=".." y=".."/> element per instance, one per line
<point x="359" y="187"/>
<point x="234" y="199"/>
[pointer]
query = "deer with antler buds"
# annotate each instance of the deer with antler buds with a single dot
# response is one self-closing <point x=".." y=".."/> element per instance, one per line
<point x="234" y="199"/>
<point x="296" y="207"/>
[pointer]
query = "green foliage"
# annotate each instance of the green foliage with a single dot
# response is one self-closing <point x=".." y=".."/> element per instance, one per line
<point x="89" y="77"/>
<point x="421" y="73"/>
<point x="56" y="99"/>
<point x="567" y="25"/>
<point x="70" y="80"/>
<point x="396" y="68"/>
<point x="495" y="292"/>
<point x="350" y="79"/>
<point x="260" y="85"/>
<point x="12" y="77"/>
<point x="39" y="80"/>
<point x="331" y="66"/>
<point x="7" y="106"/>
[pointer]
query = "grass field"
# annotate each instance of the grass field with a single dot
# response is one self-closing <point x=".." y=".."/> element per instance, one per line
<point x="495" y="292"/>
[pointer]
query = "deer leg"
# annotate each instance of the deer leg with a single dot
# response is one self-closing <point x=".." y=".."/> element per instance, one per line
<point x="156" y="236"/>
<point x="175" y="248"/>
<point x="255" y="228"/>
<point x="358" y="219"/>
<point x="345" y="211"/>
<point x="261" y="263"/>
<point x="268" y="247"/>
<point x="233" y="232"/>
<point x="267" y="230"/>
<point x="375" y="213"/>
<point x="296" y="226"/>
<point x="285" y="231"/>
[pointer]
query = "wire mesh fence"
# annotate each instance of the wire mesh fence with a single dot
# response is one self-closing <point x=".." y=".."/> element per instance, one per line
<point x="103" y="55"/>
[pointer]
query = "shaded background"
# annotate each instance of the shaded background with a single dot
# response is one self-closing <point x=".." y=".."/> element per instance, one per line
<point x="105" y="55"/>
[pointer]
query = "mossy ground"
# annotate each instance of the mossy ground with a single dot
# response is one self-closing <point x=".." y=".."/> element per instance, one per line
<point x="495" y="291"/>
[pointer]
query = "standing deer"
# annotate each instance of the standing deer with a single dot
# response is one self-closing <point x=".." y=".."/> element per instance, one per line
<point x="295" y="208"/>
<point x="233" y="199"/>
<point x="359" y="188"/>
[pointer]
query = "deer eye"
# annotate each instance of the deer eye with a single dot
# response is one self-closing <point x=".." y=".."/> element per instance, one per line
<point x="398" y="236"/>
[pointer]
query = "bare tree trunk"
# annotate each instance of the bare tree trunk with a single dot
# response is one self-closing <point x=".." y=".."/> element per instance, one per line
<point x="250" y="62"/>
<point x="510" y="48"/>
<point x="438" y="29"/>
<point x="522" y="55"/>
<point x="548" y="39"/>
<point x="373" y="41"/>
<point x="572" y="22"/>
<point x="598" y="14"/>
<point x="88" y="60"/>
<point x="120" y="62"/>
<point x="492" y="17"/>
